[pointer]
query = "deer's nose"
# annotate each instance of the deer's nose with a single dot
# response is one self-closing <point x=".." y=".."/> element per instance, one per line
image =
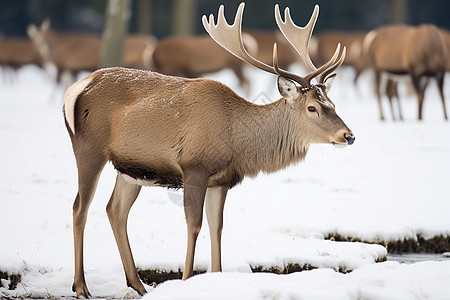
<point x="350" y="138"/>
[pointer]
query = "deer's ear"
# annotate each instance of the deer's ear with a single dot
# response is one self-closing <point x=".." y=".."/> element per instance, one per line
<point x="45" y="26"/>
<point x="287" y="89"/>
<point x="329" y="81"/>
<point x="31" y="30"/>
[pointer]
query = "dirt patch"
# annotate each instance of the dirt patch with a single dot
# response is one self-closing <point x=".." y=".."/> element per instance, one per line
<point x="287" y="269"/>
<point x="14" y="279"/>
<point x="437" y="244"/>
<point x="152" y="277"/>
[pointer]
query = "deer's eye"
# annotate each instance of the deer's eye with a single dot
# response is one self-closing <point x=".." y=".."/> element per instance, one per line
<point x="311" y="108"/>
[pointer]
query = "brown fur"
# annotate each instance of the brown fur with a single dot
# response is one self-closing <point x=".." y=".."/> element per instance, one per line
<point x="195" y="56"/>
<point x="15" y="52"/>
<point x="265" y="40"/>
<point x="194" y="133"/>
<point x="165" y="99"/>
<point x="326" y="43"/>
<point x="418" y="52"/>
<point x="80" y="51"/>
<point x="446" y="35"/>
<point x="18" y="51"/>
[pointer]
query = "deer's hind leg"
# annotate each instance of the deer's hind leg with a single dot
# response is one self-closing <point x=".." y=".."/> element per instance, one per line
<point x="440" y="84"/>
<point x="215" y="201"/>
<point x="90" y="167"/>
<point x="378" y="93"/>
<point x="118" y="208"/>
<point x="195" y="183"/>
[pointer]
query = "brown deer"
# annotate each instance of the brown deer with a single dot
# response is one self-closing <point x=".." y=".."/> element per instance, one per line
<point x="265" y="40"/>
<point x="74" y="52"/>
<point x="194" y="56"/>
<point x="446" y="35"/>
<point x="417" y="52"/>
<point x="17" y="51"/>
<point x="138" y="50"/>
<point x="69" y="52"/>
<point x="325" y="43"/>
<point x="196" y="134"/>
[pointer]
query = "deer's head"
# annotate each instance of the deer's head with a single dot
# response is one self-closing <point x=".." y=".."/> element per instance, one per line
<point x="39" y="36"/>
<point x="307" y="99"/>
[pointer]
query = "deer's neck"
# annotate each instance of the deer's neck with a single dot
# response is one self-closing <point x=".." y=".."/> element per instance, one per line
<point x="268" y="137"/>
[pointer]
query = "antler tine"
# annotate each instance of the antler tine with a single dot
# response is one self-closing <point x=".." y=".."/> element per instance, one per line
<point x="230" y="37"/>
<point x="297" y="36"/>
<point x="324" y="75"/>
<point x="326" y="66"/>
<point x="281" y="72"/>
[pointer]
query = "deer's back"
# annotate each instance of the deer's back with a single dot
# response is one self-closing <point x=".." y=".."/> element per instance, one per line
<point x="403" y="49"/>
<point x="155" y="122"/>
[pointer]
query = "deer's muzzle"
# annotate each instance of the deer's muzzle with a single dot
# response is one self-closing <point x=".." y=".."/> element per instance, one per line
<point x="350" y="139"/>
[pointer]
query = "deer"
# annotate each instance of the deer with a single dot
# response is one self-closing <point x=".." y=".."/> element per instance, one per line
<point x="194" y="56"/>
<point x="17" y="51"/>
<point x="70" y="52"/>
<point x="265" y="39"/>
<point x="353" y="40"/>
<point x="74" y="52"/>
<point x="446" y="35"/>
<point x="193" y="133"/>
<point x="138" y="50"/>
<point x="417" y="52"/>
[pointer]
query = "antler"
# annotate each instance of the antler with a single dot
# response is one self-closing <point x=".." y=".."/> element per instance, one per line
<point x="230" y="38"/>
<point x="299" y="38"/>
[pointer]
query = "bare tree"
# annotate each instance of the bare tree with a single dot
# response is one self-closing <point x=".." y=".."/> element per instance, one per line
<point x="398" y="11"/>
<point x="116" y="28"/>
<point x="184" y="17"/>
<point x="143" y="16"/>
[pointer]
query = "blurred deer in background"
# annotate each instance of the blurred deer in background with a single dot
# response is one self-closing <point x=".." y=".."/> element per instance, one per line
<point x="69" y="52"/>
<point x="195" y="134"/>
<point x="265" y="40"/>
<point x="194" y="56"/>
<point x="417" y="52"/>
<point x="73" y="52"/>
<point x="446" y="35"/>
<point x="325" y="43"/>
<point x="15" y="52"/>
<point x="138" y="50"/>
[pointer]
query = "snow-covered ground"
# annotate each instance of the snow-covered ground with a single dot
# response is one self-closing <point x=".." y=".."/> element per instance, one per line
<point x="393" y="183"/>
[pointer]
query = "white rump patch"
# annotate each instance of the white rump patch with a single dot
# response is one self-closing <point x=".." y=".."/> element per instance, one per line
<point x="368" y="39"/>
<point x="71" y="97"/>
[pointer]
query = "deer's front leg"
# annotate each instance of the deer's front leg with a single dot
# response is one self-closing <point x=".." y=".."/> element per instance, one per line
<point x="215" y="201"/>
<point x="195" y="183"/>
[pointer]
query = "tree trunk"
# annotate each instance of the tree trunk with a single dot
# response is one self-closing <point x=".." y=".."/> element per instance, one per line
<point x="398" y="11"/>
<point x="184" y="17"/>
<point x="116" y="28"/>
<point x="144" y="9"/>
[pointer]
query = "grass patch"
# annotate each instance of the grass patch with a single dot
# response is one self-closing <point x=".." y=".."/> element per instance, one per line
<point x="14" y="279"/>
<point x="152" y="277"/>
<point x="287" y="269"/>
<point x="437" y="244"/>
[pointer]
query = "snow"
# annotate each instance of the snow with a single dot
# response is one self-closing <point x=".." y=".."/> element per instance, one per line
<point x="389" y="280"/>
<point x="390" y="185"/>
